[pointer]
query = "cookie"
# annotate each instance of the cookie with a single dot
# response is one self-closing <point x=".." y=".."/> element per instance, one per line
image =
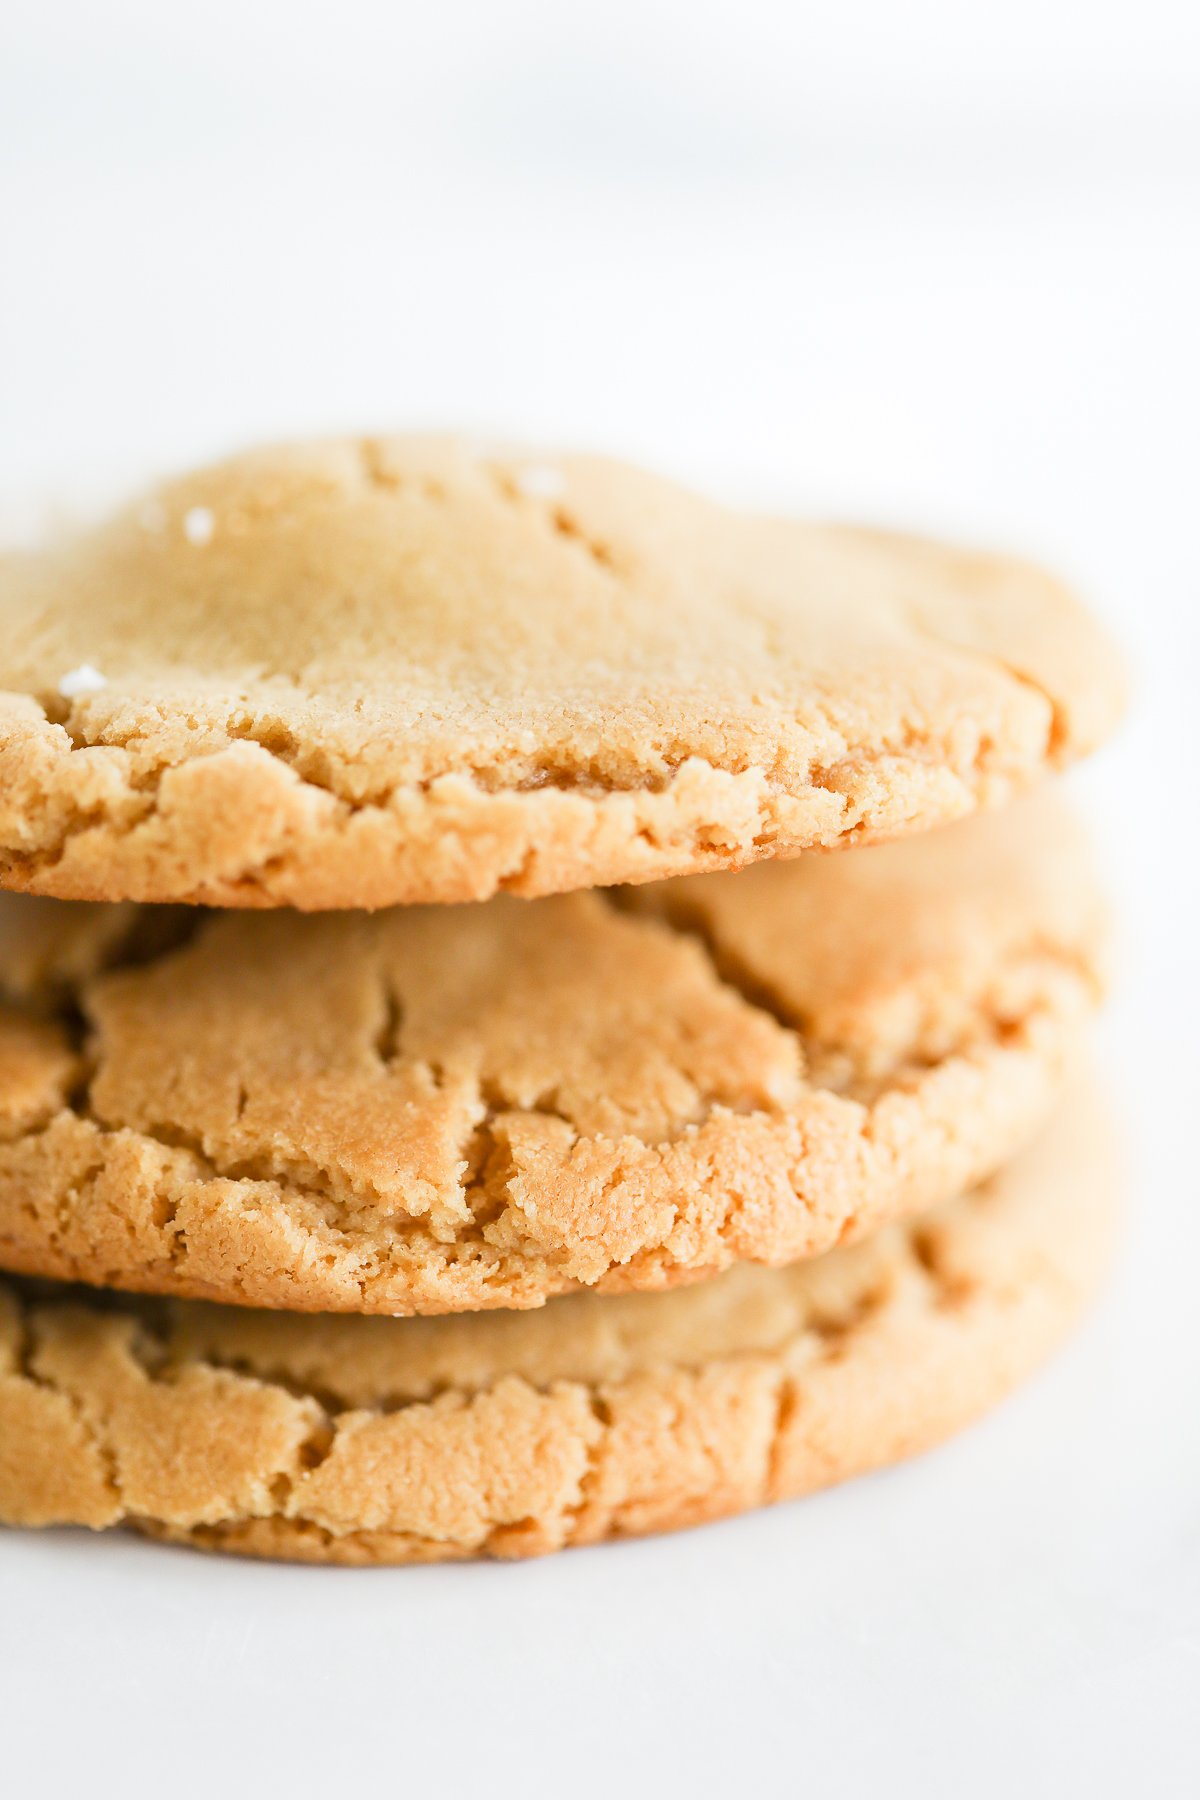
<point x="436" y="1109"/>
<point x="354" y="674"/>
<point x="509" y="1434"/>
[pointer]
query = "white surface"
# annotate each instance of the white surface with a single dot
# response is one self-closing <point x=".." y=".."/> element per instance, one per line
<point x="936" y="264"/>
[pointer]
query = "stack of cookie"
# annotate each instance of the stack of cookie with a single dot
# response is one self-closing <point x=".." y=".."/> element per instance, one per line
<point x="501" y="981"/>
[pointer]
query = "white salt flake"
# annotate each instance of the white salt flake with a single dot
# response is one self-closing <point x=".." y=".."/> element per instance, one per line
<point x="152" y="516"/>
<point x="83" y="680"/>
<point x="199" y="525"/>
<point x="538" y="481"/>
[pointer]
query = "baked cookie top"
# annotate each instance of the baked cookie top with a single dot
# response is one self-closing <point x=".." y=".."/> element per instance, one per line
<point x="385" y="1440"/>
<point x="451" y="1108"/>
<point x="357" y="673"/>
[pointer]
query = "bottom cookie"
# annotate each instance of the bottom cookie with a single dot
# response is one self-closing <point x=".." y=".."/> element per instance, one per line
<point x="367" y="1440"/>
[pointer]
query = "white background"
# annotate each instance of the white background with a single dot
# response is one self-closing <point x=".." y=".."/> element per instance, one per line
<point x="933" y="263"/>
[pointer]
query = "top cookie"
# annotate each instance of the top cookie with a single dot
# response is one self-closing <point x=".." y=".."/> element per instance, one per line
<point x="358" y="673"/>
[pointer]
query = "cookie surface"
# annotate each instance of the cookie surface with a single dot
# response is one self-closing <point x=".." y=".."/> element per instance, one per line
<point x="453" y="1108"/>
<point x="387" y="1440"/>
<point x="361" y="673"/>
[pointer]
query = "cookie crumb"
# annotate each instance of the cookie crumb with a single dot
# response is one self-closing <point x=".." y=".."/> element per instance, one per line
<point x="83" y="680"/>
<point x="540" y="482"/>
<point x="199" y="525"/>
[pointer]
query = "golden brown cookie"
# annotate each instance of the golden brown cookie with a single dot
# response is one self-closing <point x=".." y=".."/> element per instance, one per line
<point x="358" y="673"/>
<point x="438" y="1109"/>
<point x="508" y="1434"/>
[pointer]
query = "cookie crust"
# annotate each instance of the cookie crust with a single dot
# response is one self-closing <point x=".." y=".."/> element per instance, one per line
<point x="450" y="1109"/>
<point x="373" y="1441"/>
<point x="361" y="673"/>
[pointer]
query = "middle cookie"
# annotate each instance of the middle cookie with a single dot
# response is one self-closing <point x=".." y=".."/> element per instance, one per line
<point x="452" y="1108"/>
